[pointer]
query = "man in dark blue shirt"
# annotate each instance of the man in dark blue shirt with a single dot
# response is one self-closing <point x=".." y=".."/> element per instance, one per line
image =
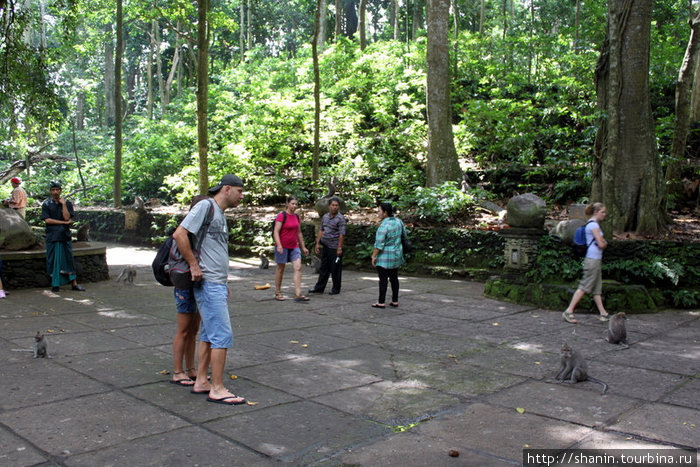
<point x="58" y="215"/>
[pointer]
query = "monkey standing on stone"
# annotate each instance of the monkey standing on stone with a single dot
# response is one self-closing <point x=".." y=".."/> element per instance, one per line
<point x="617" y="334"/>
<point x="574" y="368"/>
<point x="40" y="347"/>
<point x="128" y="274"/>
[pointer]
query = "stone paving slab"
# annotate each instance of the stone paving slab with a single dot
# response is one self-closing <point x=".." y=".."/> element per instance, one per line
<point x="33" y="382"/>
<point x="686" y="394"/>
<point x="664" y="423"/>
<point x="580" y="403"/>
<point x="87" y="423"/>
<point x="195" y="408"/>
<point x="15" y="451"/>
<point x="185" y="446"/>
<point x="298" y="432"/>
<point x="481" y="433"/>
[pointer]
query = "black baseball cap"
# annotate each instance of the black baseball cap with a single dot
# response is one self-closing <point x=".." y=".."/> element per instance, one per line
<point x="229" y="179"/>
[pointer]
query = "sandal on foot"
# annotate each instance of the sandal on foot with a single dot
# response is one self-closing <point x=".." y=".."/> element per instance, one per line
<point x="604" y="318"/>
<point x="378" y="305"/>
<point x="301" y="298"/>
<point x="182" y="382"/>
<point x="280" y="297"/>
<point x="569" y="317"/>
<point x="206" y="391"/>
<point x="228" y="400"/>
<point x="394" y="304"/>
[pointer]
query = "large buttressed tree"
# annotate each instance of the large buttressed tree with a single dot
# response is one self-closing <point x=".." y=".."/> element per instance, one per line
<point x="442" y="164"/>
<point x="626" y="169"/>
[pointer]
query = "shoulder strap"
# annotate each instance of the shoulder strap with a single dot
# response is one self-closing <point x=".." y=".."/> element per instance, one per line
<point x="205" y="226"/>
<point x="584" y="225"/>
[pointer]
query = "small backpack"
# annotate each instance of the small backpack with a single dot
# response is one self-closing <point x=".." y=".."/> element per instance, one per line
<point x="160" y="262"/>
<point x="580" y="246"/>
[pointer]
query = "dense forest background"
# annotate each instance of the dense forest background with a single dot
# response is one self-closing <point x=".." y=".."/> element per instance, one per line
<point x="523" y="102"/>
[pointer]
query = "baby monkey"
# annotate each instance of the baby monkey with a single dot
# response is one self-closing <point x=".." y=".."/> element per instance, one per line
<point x="617" y="334"/>
<point x="128" y="274"/>
<point x="40" y="347"/>
<point x="574" y="368"/>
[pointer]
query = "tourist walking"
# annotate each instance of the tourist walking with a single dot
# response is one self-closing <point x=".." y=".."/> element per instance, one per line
<point x="329" y="243"/>
<point x="288" y="239"/>
<point x="592" y="281"/>
<point x="387" y="255"/>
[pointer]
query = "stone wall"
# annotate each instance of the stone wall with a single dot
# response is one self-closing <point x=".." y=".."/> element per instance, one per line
<point x="27" y="269"/>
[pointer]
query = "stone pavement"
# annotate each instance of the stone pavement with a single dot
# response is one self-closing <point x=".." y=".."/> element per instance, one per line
<point x="333" y="381"/>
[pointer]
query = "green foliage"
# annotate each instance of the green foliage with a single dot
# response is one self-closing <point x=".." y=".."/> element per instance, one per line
<point x="684" y="298"/>
<point x="437" y="204"/>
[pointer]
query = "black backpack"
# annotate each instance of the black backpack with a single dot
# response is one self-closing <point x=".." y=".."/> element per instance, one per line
<point x="160" y="262"/>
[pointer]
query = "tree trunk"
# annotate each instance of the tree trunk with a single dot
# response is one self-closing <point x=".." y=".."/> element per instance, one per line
<point x="248" y="29"/>
<point x="350" y="18"/>
<point x="577" y="26"/>
<point x="171" y="75"/>
<point x="626" y="170"/>
<point x="241" y="35"/>
<point x="417" y="18"/>
<point x="159" y="68"/>
<point x="695" y="100"/>
<point x="317" y="93"/>
<point x="394" y="18"/>
<point x="149" y="76"/>
<point x="442" y="164"/>
<point x="455" y="45"/>
<point x="80" y="111"/>
<point x="363" y="24"/>
<point x="109" y="76"/>
<point x="482" y="16"/>
<point x="118" y="109"/>
<point x="203" y="93"/>
<point x="323" y="26"/>
<point x="684" y="88"/>
<point x="338" y="18"/>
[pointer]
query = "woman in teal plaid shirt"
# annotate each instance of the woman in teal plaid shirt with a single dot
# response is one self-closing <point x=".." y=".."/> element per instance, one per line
<point x="387" y="255"/>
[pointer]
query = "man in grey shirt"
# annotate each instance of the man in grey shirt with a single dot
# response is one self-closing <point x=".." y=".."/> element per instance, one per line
<point x="331" y="236"/>
<point x="210" y="275"/>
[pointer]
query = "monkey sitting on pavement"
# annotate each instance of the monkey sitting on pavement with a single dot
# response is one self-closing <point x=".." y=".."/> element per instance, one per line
<point x="40" y="347"/>
<point x="264" y="262"/>
<point x="617" y="334"/>
<point x="128" y="274"/>
<point x="574" y="368"/>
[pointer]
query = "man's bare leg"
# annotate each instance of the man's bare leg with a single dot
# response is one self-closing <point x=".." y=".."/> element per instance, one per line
<point x="202" y="384"/>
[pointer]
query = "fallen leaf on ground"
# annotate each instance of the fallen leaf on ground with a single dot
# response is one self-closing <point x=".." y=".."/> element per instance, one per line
<point x="164" y="372"/>
<point x="233" y="377"/>
<point x="520" y="410"/>
<point x="496" y="324"/>
<point x="251" y="403"/>
<point x="261" y="287"/>
<point x="293" y="342"/>
<point x="304" y="345"/>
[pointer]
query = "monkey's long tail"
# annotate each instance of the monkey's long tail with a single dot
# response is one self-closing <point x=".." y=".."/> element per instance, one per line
<point x="602" y="383"/>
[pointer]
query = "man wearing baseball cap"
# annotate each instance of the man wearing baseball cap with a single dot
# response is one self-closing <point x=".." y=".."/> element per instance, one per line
<point x="18" y="199"/>
<point x="210" y="276"/>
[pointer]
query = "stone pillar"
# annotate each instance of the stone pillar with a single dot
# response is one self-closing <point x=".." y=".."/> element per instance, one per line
<point x="521" y="247"/>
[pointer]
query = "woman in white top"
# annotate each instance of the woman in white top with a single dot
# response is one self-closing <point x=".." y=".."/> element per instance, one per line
<point x="592" y="281"/>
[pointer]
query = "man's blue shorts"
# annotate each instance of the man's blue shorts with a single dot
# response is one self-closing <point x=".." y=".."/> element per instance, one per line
<point x="184" y="300"/>
<point x="288" y="255"/>
<point x="213" y="308"/>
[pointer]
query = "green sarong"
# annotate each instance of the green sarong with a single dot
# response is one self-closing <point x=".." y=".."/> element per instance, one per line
<point x="60" y="265"/>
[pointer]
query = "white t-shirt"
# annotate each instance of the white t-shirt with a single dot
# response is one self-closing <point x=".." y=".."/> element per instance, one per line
<point x="593" y="250"/>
